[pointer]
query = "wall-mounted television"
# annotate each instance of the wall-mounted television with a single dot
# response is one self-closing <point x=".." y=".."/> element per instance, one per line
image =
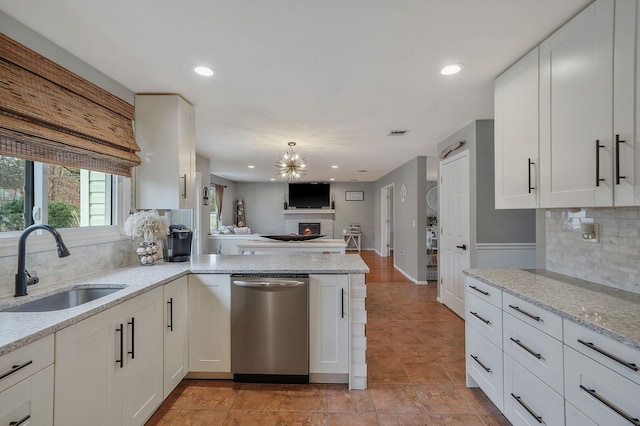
<point x="309" y="195"/>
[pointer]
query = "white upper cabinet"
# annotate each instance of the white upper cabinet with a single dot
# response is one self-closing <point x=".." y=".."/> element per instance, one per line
<point x="165" y="131"/>
<point x="516" y="135"/>
<point x="576" y="104"/>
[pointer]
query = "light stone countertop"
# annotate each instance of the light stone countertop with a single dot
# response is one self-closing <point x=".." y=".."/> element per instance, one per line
<point x="606" y="310"/>
<point x="20" y="328"/>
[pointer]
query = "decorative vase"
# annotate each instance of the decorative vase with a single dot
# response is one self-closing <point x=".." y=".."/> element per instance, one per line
<point x="147" y="253"/>
<point x="285" y="205"/>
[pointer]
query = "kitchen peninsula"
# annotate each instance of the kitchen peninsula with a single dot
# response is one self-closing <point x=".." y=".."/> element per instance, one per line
<point x="181" y="314"/>
<point x="297" y="247"/>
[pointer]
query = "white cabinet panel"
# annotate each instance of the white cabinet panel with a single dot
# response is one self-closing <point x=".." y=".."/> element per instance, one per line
<point x="484" y="291"/>
<point x="516" y="135"/>
<point x="176" y="333"/>
<point x="575" y="417"/>
<point x="485" y="318"/>
<point x="484" y="365"/>
<point x="30" y="401"/>
<point x="533" y="315"/>
<point x="210" y="323"/>
<point x="25" y="361"/>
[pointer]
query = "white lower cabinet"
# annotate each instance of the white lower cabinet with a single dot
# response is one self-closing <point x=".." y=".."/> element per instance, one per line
<point x="574" y="417"/>
<point x="176" y="333"/>
<point x="484" y="365"/>
<point x="329" y="325"/>
<point x="528" y="400"/>
<point x="108" y="368"/>
<point x="603" y="395"/>
<point x="209" y="323"/>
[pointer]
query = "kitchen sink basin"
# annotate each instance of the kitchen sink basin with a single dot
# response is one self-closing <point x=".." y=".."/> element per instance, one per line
<point x="65" y="299"/>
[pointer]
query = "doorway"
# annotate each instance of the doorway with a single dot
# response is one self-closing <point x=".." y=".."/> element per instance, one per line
<point x="386" y="220"/>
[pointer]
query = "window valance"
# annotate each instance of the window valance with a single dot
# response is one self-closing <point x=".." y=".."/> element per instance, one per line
<point x="49" y="114"/>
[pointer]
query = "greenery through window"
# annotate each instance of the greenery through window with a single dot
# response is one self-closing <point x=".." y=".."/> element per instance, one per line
<point x="61" y="196"/>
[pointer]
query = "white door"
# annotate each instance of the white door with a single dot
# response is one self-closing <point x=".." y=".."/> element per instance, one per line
<point x="386" y="218"/>
<point x="454" y="230"/>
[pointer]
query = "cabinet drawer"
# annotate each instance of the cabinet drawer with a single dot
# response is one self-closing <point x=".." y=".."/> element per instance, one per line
<point x="536" y="351"/>
<point x="607" y="351"/>
<point x="25" y="361"/>
<point x="575" y="417"/>
<point x="600" y="393"/>
<point x="533" y="315"/>
<point x="484" y="365"/>
<point x="527" y="400"/>
<point x="484" y="291"/>
<point x="485" y="318"/>
<point x="30" y="400"/>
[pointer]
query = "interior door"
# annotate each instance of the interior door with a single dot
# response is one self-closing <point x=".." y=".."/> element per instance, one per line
<point x="386" y="220"/>
<point x="454" y="230"/>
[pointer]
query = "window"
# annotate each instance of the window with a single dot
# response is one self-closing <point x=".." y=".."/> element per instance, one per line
<point x="61" y="196"/>
<point x="214" y="217"/>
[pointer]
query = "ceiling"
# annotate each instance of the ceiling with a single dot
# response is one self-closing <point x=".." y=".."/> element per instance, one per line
<point x="335" y="76"/>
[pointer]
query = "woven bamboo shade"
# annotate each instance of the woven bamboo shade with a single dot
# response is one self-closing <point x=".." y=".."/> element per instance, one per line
<point x="50" y="114"/>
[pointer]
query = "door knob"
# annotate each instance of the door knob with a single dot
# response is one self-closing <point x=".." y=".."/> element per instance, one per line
<point x="463" y="247"/>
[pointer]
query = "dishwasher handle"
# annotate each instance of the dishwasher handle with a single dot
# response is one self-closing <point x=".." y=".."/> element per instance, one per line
<point x="263" y="284"/>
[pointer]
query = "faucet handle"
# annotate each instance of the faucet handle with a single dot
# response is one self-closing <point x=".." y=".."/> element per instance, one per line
<point x="32" y="280"/>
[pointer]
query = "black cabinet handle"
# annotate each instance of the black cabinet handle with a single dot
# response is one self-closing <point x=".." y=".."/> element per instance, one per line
<point x="170" y="303"/>
<point x="22" y="420"/>
<point x="486" y="293"/>
<point x="633" y="420"/>
<point x="526" y="348"/>
<point x="121" y="331"/>
<point x="526" y="407"/>
<point x="15" y="369"/>
<point x="618" y="142"/>
<point x="598" y="146"/>
<point x="475" y="314"/>
<point x="463" y="247"/>
<point x="529" y="164"/>
<point x="590" y="345"/>
<point x="184" y="194"/>
<point x="132" y="352"/>
<point x="342" y="302"/>
<point x="475" y="358"/>
<point x="534" y="317"/>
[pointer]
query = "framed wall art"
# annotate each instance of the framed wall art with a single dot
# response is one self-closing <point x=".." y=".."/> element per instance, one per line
<point x="354" y="195"/>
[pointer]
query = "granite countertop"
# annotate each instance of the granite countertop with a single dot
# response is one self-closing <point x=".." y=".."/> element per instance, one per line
<point x="21" y="328"/>
<point x="609" y="311"/>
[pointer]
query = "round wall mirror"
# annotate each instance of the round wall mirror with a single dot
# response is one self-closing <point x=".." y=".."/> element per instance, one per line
<point x="432" y="198"/>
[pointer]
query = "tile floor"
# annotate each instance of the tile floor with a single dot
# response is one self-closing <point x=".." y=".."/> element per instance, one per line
<point x="415" y="360"/>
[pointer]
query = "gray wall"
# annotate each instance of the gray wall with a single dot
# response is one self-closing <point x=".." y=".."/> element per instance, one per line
<point x="409" y="218"/>
<point x="488" y="225"/>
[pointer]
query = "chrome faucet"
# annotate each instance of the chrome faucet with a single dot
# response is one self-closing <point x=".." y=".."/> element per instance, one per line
<point x="23" y="279"/>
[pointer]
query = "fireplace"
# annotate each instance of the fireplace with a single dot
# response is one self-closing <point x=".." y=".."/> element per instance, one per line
<point x="309" y="228"/>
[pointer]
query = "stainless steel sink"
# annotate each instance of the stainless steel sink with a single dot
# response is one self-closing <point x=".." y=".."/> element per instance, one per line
<point x="65" y="299"/>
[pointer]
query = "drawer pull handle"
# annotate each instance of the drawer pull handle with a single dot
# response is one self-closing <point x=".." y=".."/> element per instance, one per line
<point x="486" y="293"/>
<point x="170" y="303"/>
<point x="14" y="369"/>
<point x="22" y="420"/>
<point x="605" y="401"/>
<point x="475" y="358"/>
<point x="132" y="352"/>
<point x="590" y="345"/>
<point x="522" y="311"/>
<point x="526" y="407"/>
<point x="475" y="314"/>
<point x="526" y="348"/>
<point x="121" y="360"/>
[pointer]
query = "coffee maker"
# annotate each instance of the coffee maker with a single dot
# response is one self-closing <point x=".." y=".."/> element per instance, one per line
<point x="177" y="245"/>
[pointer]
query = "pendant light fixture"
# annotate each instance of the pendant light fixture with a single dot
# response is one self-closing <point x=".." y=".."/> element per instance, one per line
<point x="291" y="166"/>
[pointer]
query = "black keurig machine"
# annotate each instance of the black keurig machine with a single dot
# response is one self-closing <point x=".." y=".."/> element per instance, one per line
<point x="177" y="245"/>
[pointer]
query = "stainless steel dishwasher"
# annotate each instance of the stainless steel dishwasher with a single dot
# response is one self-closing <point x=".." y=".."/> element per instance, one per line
<point x="270" y="328"/>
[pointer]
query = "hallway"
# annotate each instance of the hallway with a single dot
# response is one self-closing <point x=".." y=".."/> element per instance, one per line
<point x="415" y="358"/>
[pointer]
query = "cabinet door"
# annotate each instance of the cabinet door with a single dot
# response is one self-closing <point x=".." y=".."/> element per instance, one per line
<point x="516" y="135"/>
<point x="29" y="401"/>
<point x="176" y="333"/>
<point x="86" y="355"/>
<point x="329" y="324"/>
<point x="186" y="155"/>
<point x="141" y="389"/>
<point x="210" y="323"/>
<point x="576" y="104"/>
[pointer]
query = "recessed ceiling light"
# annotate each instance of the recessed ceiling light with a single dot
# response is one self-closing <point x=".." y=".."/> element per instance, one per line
<point x="203" y="71"/>
<point x="334" y="167"/>
<point x="272" y="179"/>
<point x="451" y="69"/>
<point x="252" y="167"/>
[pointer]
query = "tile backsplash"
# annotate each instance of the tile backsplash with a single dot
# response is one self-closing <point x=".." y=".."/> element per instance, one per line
<point x="613" y="261"/>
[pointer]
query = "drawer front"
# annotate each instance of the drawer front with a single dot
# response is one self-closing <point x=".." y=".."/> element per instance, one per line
<point x="527" y="400"/>
<point x="536" y="351"/>
<point x="484" y="291"/>
<point x="29" y="401"/>
<point x="607" y="351"/>
<point x="575" y="417"/>
<point x="485" y="318"/>
<point x="484" y="365"/>
<point x="25" y="361"/>
<point x="600" y="393"/>
<point x="533" y="315"/>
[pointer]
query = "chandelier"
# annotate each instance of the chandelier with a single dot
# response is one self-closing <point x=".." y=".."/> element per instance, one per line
<point x="291" y="165"/>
